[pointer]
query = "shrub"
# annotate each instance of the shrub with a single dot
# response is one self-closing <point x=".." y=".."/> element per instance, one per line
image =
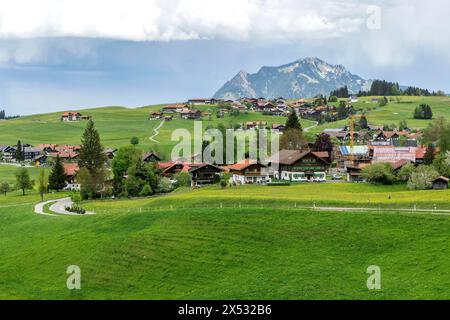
<point x="379" y="173"/>
<point x="404" y="173"/>
<point x="183" y="179"/>
<point x="146" y="191"/>
<point x="165" y="185"/>
<point x="279" y="184"/>
<point x="76" y="209"/>
<point x="422" y="178"/>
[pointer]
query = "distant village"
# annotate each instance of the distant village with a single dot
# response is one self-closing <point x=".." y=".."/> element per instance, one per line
<point x="337" y="154"/>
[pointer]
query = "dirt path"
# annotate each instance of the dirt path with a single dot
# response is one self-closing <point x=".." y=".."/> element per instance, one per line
<point x="156" y="130"/>
<point x="311" y="127"/>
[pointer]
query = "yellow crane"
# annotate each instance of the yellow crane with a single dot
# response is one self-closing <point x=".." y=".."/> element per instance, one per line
<point x="352" y="139"/>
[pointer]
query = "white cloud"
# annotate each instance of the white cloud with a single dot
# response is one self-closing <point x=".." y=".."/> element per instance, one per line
<point x="407" y="26"/>
<point x="178" y="19"/>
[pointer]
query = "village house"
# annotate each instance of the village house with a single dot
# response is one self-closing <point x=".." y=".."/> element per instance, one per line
<point x="156" y="115"/>
<point x="250" y="125"/>
<point x="300" y="166"/>
<point x="279" y="127"/>
<point x="204" y="101"/>
<point x="73" y="116"/>
<point x="71" y="170"/>
<point x="250" y="172"/>
<point x="175" y="108"/>
<point x="110" y="153"/>
<point x="201" y="173"/>
<point x="29" y="153"/>
<point x="204" y="174"/>
<point x="354" y="172"/>
<point x="168" y="118"/>
<point x="193" y="114"/>
<point x="151" y="157"/>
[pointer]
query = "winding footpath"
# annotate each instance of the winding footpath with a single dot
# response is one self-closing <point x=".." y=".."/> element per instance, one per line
<point x="311" y="127"/>
<point x="58" y="207"/>
<point x="156" y="130"/>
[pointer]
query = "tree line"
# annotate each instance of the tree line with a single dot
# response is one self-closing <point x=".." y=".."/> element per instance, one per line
<point x="387" y="88"/>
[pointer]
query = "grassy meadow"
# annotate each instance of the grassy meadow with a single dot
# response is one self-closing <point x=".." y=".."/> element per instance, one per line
<point x="395" y="111"/>
<point x="116" y="126"/>
<point x="183" y="246"/>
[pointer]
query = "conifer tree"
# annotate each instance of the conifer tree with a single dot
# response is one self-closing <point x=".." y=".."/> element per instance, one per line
<point x="293" y="122"/>
<point x="57" y="179"/>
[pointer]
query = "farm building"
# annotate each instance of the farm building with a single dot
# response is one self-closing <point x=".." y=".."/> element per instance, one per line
<point x="191" y="114"/>
<point x="73" y="116"/>
<point x="440" y="183"/>
<point x="300" y="166"/>
<point x="391" y="154"/>
<point x="156" y="115"/>
<point x="351" y="156"/>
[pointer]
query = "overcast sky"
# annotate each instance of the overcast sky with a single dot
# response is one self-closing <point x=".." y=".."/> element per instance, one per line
<point x="62" y="54"/>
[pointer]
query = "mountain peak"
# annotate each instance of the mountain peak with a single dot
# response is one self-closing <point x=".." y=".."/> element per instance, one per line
<point x="302" y="78"/>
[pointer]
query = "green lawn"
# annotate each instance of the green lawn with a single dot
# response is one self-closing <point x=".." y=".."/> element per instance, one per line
<point x="7" y="172"/>
<point x="150" y="249"/>
<point x="116" y="126"/>
<point x="393" y="112"/>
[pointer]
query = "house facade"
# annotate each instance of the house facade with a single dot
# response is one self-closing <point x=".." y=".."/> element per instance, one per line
<point x="300" y="166"/>
<point x="250" y="172"/>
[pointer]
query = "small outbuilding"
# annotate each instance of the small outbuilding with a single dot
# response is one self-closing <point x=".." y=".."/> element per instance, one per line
<point x="440" y="183"/>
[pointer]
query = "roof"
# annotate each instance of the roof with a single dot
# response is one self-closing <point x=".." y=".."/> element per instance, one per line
<point x="242" y="165"/>
<point x="399" y="164"/>
<point x="151" y="154"/>
<point x="393" y="154"/>
<point x="289" y="157"/>
<point x="441" y="178"/>
<point x="355" y="150"/>
<point x="195" y="168"/>
<point x="176" y="106"/>
<point x="321" y="154"/>
<point x="71" y="168"/>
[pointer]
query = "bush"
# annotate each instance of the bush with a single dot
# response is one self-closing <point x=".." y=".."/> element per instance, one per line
<point x="404" y="173"/>
<point x="146" y="191"/>
<point x="183" y="179"/>
<point x="279" y="184"/>
<point x="379" y="173"/>
<point x="165" y="185"/>
<point x="76" y="209"/>
<point x="422" y="178"/>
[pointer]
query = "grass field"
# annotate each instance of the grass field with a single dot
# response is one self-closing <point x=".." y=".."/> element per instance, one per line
<point x="116" y="126"/>
<point x="394" y="111"/>
<point x="7" y="173"/>
<point x="154" y="249"/>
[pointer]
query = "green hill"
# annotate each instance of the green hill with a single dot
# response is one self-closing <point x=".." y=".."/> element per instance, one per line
<point x="395" y="111"/>
<point x="116" y="126"/>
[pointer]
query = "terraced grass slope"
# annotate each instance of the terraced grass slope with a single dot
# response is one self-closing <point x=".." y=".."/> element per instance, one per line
<point x="143" y="249"/>
<point x="116" y="126"/>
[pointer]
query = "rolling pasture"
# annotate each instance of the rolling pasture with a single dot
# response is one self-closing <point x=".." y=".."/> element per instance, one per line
<point x="183" y="246"/>
<point x="116" y="126"/>
<point x="396" y="111"/>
